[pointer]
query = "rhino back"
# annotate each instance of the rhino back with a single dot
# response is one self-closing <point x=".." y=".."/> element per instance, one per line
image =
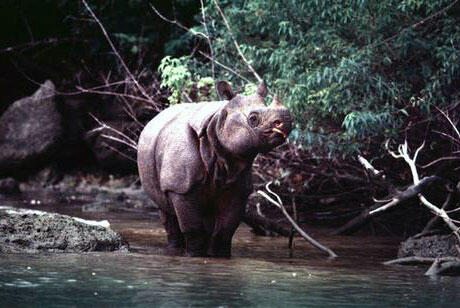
<point x="168" y="154"/>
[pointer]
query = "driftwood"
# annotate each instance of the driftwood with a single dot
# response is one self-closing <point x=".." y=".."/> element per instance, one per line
<point x="444" y="266"/>
<point x="439" y="266"/>
<point x="377" y="209"/>
<point x="302" y="233"/>
<point x="263" y="225"/>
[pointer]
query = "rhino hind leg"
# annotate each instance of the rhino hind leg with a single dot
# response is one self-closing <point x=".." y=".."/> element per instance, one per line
<point x="190" y="219"/>
<point x="176" y="241"/>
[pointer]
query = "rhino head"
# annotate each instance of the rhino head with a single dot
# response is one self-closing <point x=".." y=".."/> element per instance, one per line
<point x="247" y="126"/>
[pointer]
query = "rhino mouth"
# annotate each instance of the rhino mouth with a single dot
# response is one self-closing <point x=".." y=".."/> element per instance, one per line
<point x="279" y="131"/>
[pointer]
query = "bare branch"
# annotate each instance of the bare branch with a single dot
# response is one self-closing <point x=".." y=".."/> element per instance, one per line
<point x="367" y="165"/>
<point x="448" y="119"/>
<point x="403" y="151"/>
<point x="279" y="204"/>
<point x="440" y="159"/>
<point x="130" y="142"/>
<point x="203" y="15"/>
<point x="117" y="54"/>
<point x="259" y="79"/>
<point x="175" y="22"/>
<point x="224" y="66"/>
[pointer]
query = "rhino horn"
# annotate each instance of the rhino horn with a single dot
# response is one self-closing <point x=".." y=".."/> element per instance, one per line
<point x="276" y="103"/>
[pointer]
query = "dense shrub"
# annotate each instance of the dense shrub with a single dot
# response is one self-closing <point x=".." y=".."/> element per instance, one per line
<point x="352" y="72"/>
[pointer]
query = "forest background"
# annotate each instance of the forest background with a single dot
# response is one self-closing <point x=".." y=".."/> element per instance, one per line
<point x="359" y="77"/>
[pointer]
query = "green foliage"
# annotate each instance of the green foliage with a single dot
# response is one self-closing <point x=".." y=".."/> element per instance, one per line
<point x="348" y="70"/>
<point x="176" y="75"/>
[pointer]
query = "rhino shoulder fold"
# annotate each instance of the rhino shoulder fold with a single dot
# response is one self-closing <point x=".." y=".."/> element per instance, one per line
<point x="202" y="115"/>
<point x="181" y="162"/>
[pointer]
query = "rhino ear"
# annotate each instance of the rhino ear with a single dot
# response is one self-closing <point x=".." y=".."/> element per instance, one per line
<point x="262" y="90"/>
<point x="225" y="90"/>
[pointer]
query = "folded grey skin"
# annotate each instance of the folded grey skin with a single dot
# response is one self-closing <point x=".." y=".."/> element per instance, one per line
<point x="195" y="163"/>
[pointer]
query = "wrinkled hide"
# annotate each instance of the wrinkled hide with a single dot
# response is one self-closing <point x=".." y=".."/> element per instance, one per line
<point x="195" y="163"/>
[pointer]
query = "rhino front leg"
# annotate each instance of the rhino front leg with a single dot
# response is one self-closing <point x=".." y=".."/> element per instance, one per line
<point x="190" y="215"/>
<point x="176" y="242"/>
<point x="227" y="221"/>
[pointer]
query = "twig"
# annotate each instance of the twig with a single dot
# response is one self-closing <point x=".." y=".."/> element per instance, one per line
<point x="377" y="209"/>
<point x="208" y="39"/>
<point x="403" y="153"/>
<point x="117" y="54"/>
<point x="440" y="159"/>
<point x="291" y="236"/>
<point x="119" y="152"/>
<point x="448" y="119"/>
<point x="445" y="9"/>
<point x="84" y="90"/>
<point x="224" y="66"/>
<point x="175" y="22"/>
<point x="429" y="226"/>
<point x="130" y="142"/>
<point x="41" y="42"/>
<point x="119" y="140"/>
<point x="278" y="203"/>
<point x="259" y="79"/>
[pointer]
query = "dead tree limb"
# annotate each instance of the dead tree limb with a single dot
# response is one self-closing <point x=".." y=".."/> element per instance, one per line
<point x="439" y="266"/>
<point x="442" y="266"/>
<point x="280" y="205"/>
<point x="377" y="209"/>
<point x="414" y="260"/>
<point x="261" y="225"/>
<point x="403" y="152"/>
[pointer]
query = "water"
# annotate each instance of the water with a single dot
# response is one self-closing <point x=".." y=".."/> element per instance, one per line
<point x="260" y="274"/>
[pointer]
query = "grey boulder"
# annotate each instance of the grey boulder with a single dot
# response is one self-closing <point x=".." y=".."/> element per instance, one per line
<point x="31" y="231"/>
<point x="30" y="130"/>
<point x="434" y="246"/>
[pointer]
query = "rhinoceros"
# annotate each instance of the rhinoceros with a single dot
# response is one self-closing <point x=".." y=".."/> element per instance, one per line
<point x="195" y="163"/>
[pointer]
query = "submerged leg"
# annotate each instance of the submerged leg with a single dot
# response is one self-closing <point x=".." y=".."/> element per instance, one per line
<point x="230" y="213"/>
<point x="176" y="242"/>
<point x="190" y="215"/>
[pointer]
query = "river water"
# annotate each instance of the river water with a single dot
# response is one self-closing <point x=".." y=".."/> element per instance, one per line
<point x="260" y="273"/>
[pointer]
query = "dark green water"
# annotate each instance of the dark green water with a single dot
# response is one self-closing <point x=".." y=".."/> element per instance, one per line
<point x="259" y="275"/>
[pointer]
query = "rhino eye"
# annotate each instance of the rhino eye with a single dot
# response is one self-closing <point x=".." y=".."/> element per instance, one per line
<point x="253" y="120"/>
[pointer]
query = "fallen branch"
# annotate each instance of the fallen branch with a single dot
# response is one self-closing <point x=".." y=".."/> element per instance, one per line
<point x="403" y="152"/>
<point x="377" y="209"/>
<point x="280" y="205"/>
<point x="262" y="225"/>
<point x="368" y="166"/>
<point x="444" y="266"/>
<point x="439" y="266"/>
<point x="414" y="260"/>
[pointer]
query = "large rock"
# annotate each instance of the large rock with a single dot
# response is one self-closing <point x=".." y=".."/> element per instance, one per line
<point x="30" y="231"/>
<point x="429" y="246"/>
<point x="9" y="186"/>
<point x="30" y="130"/>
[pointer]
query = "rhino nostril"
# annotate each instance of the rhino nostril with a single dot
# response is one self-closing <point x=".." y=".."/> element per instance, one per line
<point x="278" y="123"/>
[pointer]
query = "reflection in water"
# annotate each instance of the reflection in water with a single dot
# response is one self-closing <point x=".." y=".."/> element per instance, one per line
<point x="260" y="274"/>
<point x="135" y="280"/>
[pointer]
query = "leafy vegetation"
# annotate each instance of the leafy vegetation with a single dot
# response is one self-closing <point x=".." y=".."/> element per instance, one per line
<point x="352" y="72"/>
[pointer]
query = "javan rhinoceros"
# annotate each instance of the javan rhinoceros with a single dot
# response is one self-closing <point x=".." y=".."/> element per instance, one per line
<point x="195" y="163"/>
